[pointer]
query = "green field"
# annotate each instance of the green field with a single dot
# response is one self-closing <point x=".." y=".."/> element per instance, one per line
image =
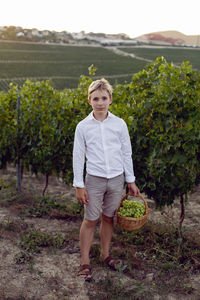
<point x="63" y="65"/>
<point x="175" y="55"/>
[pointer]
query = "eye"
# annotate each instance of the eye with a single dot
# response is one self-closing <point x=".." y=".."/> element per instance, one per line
<point x="104" y="98"/>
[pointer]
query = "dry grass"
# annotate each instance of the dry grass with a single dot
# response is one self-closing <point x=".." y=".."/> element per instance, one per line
<point x="43" y="247"/>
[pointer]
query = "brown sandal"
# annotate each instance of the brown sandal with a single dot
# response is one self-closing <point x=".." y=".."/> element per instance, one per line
<point x="113" y="263"/>
<point x="85" y="272"/>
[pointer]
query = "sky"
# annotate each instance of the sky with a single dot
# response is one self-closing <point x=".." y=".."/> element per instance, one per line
<point x="132" y="17"/>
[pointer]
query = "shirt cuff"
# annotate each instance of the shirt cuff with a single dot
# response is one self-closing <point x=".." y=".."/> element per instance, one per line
<point x="78" y="184"/>
<point x="130" y="179"/>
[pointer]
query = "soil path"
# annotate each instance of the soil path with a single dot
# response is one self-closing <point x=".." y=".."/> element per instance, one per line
<point x="52" y="276"/>
<point x="123" y="53"/>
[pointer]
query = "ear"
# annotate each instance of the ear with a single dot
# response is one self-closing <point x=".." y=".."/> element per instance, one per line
<point x="89" y="101"/>
<point x="110" y="100"/>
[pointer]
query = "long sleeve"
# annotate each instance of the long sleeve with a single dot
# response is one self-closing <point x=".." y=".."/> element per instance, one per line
<point x="104" y="146"/>
<point x="78" y="158"/>
<point x="127" y="154"/>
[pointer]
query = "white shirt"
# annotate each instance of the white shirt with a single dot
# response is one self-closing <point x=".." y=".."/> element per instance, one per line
<point x="106" y="146"/>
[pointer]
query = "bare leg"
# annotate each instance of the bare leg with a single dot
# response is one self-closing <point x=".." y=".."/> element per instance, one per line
<point x="86" y="238"/>
<point x="106" y="230"/>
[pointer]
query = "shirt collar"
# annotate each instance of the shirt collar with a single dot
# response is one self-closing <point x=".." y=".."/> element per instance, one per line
<point x="91" y="116"/>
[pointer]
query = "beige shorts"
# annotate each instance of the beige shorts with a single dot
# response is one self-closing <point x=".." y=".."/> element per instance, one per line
<point x="104" y="196"/>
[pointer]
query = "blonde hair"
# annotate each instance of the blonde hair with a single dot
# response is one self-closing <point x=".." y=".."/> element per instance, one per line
<point x="100" y="84"/>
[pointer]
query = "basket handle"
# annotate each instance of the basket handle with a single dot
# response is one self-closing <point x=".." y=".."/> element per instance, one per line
<point x="145" y="202"/>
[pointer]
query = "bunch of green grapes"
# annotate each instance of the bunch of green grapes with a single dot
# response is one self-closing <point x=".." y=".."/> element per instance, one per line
<point x="132" y="209"/>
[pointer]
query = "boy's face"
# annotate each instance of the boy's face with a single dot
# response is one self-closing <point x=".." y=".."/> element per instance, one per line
<point x="100" y="101"/>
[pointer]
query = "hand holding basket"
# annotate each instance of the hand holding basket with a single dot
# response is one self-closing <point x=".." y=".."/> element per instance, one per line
<point x="129" y="223"/>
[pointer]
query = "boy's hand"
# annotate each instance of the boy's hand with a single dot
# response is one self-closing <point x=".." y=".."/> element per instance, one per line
<point x="82" y="195"/>
<point x="133" y="189"/>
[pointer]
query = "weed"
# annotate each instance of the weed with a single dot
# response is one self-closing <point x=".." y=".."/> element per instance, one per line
<point x="158" y="249"/>
<point x="8" y="194"/>
<point x="12" y="225"/>
<point x="34" y="241"/>
<point x="42" y="206"/>
<point x="75" y="208"/>
<point x="31" y="265"/>
<point x="23" y="257"/>
<point x="8" y="225"/>
<point x="50" y="206"/>
<point x="3" y="185"/>
<point x="30" y="204"/>
<point x="113" y="288"/>
<point x="95" y="252"/>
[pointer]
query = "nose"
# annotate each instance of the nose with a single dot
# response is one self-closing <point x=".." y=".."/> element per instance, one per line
<point x="100" y="101"/>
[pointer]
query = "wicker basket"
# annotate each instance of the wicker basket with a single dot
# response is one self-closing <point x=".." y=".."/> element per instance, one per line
<point x="128" y="223"/>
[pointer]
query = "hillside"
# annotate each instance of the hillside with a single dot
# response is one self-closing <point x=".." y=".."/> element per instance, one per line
<point x="170" y="37"/>
<point x="12" y="33"/>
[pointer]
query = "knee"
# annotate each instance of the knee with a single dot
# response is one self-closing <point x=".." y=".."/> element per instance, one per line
<point x="107" y="219"/>
<point x="89" y="223"/>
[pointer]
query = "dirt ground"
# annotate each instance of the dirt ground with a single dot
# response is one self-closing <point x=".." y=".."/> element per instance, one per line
<point x="52" y="276"/>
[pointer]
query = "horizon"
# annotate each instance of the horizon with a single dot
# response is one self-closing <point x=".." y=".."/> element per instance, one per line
<point x="107" y="33"/>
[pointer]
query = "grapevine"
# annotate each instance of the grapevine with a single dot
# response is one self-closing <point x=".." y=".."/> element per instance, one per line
<point x="160" y="106"/>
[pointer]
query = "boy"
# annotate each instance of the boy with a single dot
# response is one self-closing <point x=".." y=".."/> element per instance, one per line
<point x="104" y="139"/>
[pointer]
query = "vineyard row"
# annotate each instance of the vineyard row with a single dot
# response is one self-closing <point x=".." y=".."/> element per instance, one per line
<point x="161" y="106"/>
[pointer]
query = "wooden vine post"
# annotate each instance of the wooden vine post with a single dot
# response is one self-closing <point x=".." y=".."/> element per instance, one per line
<point x="18" y="154"/>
